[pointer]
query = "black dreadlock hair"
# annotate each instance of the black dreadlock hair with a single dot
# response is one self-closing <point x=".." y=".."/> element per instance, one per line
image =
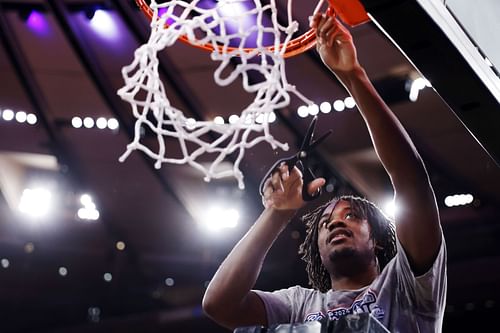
<point x="382" y="231"/>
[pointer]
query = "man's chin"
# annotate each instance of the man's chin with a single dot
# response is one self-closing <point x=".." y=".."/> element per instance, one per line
<point x="342" y="251"/>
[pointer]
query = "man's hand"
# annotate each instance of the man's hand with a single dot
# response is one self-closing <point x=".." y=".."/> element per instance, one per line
<point x="334" y="43"/>
<point x="283" y="190"/>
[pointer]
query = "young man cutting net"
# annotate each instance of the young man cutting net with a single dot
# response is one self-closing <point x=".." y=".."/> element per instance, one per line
<point x="357" y="260"/>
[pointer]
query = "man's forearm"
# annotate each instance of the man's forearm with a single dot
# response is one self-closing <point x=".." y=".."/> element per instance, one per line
<point x="418" y="220"/>
<point x="227" y="292"/>
<point x="391" y="141"/>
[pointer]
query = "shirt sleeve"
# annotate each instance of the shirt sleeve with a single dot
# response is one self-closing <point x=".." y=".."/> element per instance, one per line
<point x="427" y="292"/>
<point x="279" y="304"/>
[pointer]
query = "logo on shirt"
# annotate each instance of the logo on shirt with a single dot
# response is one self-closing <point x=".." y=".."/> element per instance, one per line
<point x="366" y="304"/>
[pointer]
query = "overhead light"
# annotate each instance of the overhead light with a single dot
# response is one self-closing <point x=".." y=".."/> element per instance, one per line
<point x="233" y="119"/>
<point x="31" y="119"/>
<point x="101" y="123"/>
<point x="313" y="109"/>
<point x="21" y="116"/>
<point x="458" y="200"/>
<point x="108" y="277"/>
<point x="390" y="208"/>
<point x="120" y="246"/>
<point x="417" y="85"/>
<point x="219" y="120"/>
<point x="63" y="271"/>
<point x="88" y="211"/>
<point x="35" y="202"/>
<point x="303" y="111"/>
<point x="88" y="122"/>
<point x="5" y="262"/>
<point x="217" y="218"/>
<point x="349" y="102"/>
<point x="325" y="107"/>
<point x="338" y="105"/>
<point x="37" y="22"/>
<point x="102" y="22"/>
<point x="169" y="282"/>
<point x="113" y="124"/>
<point x="76" y="122"/>
<point x="8" y="114"/>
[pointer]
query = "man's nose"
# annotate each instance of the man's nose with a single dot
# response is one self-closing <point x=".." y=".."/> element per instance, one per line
<point x="335" y="224"/>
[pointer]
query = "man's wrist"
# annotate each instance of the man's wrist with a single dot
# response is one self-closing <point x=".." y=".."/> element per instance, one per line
<point x="347" y="78"/>
<point x="279" y="216"/>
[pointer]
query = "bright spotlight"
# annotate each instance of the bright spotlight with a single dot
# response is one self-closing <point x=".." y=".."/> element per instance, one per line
<point x="89" y="211"/>
<point x="85" y="199"/>
<point x="417" y="85"/>
<point x="113" y="124"/>
<point x="303" y="111"/>
<point x="101" y="123"/>
<point x="88" y="122"/>
<point x="219" y="120"/>
<point x="63" y="271"/>
<point x="21" y="116"/>
<point x="325" y="107"/>
<point x="218" y="218"/>
<point x="31" y="119"/>
<point x="458" y="200"/>
<point x="349" y="102"/>
<point x="7" y="115"/>
<point x="339" y="105"/>
<point x="313" y="109"/>
<point x="76" y="122"/>
<point x="390" y="208"/>
<point x="233" y="119"/>
<point x="35" y="202"/>
<point x="102" y="22"/>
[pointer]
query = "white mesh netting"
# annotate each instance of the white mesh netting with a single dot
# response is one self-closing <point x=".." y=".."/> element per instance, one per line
<point x="153" y="111"/>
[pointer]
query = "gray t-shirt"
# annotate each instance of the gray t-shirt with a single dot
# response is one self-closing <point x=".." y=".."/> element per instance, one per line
<point x="402" y="302"/>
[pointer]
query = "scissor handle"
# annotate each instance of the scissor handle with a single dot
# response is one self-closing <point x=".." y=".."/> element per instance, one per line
<point x="307" y="177"/>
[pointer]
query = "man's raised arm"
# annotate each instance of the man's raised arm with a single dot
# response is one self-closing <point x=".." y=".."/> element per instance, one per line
<point x="228" y="299"/>
<point x="417" y="221"/>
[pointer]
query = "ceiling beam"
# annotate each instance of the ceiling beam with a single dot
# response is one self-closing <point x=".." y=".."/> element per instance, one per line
<point x="104" y="86"/>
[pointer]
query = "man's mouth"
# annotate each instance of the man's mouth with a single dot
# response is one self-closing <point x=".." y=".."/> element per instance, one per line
<point x="339" y="235"/>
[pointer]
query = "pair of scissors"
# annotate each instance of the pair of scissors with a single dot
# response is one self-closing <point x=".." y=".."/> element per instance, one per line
<point x="300" y="160"/>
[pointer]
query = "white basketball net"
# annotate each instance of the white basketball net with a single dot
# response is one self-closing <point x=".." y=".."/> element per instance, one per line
<point x="150" y="105"/>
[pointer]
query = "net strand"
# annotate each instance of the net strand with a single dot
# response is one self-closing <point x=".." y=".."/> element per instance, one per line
<point x="145" y="92"/>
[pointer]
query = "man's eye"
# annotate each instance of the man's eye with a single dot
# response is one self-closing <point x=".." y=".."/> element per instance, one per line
<point x="350" y="216"/>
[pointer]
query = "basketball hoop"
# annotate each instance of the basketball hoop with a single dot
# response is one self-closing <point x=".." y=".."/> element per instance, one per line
<point x="195" y="24"/>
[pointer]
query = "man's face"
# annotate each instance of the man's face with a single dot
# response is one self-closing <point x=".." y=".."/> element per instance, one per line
<point x="342" y="235"/>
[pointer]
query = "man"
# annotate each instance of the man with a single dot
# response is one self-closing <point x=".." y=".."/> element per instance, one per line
<point x="350" y="247"/>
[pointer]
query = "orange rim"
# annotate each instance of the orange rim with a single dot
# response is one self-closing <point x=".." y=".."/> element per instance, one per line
<point x="351" y="12"/>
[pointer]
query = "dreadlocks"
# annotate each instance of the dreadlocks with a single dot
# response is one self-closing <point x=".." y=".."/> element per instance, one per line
<point x="382" y="231"/>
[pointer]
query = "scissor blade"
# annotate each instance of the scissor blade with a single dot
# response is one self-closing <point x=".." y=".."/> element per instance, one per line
<point x="307" y="138"/>
<point x="321" y="139"/>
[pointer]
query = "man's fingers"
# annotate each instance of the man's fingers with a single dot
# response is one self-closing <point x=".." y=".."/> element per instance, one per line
<point x="268" y="188"/>
<point x="284" y="172"/>
<point x="276" y="181"/>
<point x="315" y="20"/>
<point x="315" y="185"/>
